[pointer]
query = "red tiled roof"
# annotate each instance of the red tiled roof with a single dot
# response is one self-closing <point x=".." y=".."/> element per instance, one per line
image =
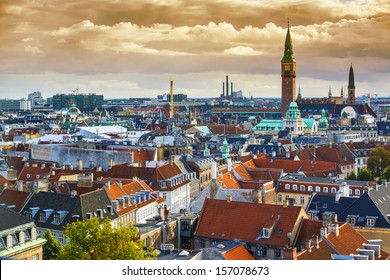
<point x="224" y="220"/>
<point x="238" y="253"/>
<point x="14" y="197"/>
<point x="34" y="173"/>
<point x="293" y="166"/>
<point x="16" y="162"/>
<point x="323" y="252"/>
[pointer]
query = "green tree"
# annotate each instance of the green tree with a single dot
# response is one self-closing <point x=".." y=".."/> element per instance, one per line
<point x="129" y="112"/>
<point x="386" y="173"/>
<point x="90" y="240"/>
<point x="378" y="160"/>
<point x="364" y="175"/>
<point x="52" y="247"/>
<point x="352" y="176"/>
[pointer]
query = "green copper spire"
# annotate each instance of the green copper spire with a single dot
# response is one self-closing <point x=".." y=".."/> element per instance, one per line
<point x="288" y="47"/>
<point x="299" y="92"/>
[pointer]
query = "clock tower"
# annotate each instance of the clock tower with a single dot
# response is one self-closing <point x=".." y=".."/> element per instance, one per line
<point x="288" y="74"/>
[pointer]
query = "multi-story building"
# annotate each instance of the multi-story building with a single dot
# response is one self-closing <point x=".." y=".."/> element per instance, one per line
<point x="85" y="102"/>
<point x="19" y="239"/>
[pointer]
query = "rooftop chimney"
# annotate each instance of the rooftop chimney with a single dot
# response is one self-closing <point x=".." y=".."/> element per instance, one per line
<point x="20" y="185"/>
<point x="110" y="163"/>
<point x="334" y="228"/>
<point x="229" y="198"/>
<point x="80" y="164"/>
<point x="213" y="170"/>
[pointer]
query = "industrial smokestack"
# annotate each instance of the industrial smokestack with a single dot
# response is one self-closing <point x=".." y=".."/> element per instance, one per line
<point x="223" y="89"/>
<point x="227" y="86"/>
<point x="231" y="89"/>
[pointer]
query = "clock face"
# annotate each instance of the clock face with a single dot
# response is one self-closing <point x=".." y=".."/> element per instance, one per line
<point x="287" y="68"/>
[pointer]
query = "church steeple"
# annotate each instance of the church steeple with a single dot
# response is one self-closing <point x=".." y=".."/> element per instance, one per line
<point x="288" y="47"/>
<point x="351" y="86"/>
<point x="330" y="92"/>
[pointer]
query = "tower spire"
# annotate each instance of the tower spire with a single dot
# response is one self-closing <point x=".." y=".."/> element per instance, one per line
<point x="288" y="47"/>
<point x="351" y="86"/>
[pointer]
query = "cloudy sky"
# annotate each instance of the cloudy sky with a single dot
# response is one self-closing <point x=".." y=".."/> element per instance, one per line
<point x="126" y="48"/>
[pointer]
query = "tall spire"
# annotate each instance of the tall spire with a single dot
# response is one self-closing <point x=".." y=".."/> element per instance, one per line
<point x="330" y="91"/>
<point x="351" y="86"/>
<point x="288" y="47"/>
<point x="351" y="80"/>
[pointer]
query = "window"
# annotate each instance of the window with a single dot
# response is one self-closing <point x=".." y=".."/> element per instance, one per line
<point x="350" y="191"/>
<point x="310" y="188"/>
<point x="370" y="222"/>
<point x="164" y="195"/>
<point x="333" y="190"/>
<point x="295" y="187"/>
<point x="287" y="186"/>
<point x="351" y="220"/>
<point x="279" y="198"/>
<point x="318" y="189"/>
<point x="186" y="243"/>
<point x="42" y="217"/>
<point x="185" y="225"/>
<point x="265" y="232"/>
<point x="262" y="251"/>
<point x="35" y="257"/>
<point x="61" y="238"/>
<point x="56" y="219"/>
<point x="202" y="243"/>
<point x="302" y="188"/>
<point x="326" y="189"/>
<point x="357" y="192"/>
<point x="278" y="254"/>
<point x="302" y="200"/>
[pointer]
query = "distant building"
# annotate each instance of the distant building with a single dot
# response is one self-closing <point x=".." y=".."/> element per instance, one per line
<point x="9" y="104"/>
<point x="85" y="102"/>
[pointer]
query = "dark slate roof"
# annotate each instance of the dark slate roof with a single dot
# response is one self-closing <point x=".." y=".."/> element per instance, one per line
<point x="381" y="197"/>
<point x="383" y="128"/>
<point x="363" y="208"/>
<point x="315" y="109"/>
<point x="326" y="203"/>
<point x="374" y="203"/>
<point x="94" y="200"/>
<point x="10" y="219"/>
<point x="268" y="149"/>
<point x="57" y="202"/>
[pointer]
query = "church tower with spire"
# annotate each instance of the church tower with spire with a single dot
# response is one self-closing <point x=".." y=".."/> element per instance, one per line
<point x="351" y="87"/>
<point x="288" y="74"/>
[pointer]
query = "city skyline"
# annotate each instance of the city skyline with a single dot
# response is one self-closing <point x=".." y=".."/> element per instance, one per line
<point x="124" y="49"/>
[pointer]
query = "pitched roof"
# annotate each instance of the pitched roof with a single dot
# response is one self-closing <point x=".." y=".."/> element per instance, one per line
<point x="14" y="197"/>
<point x="225" y="220"/>
<point x="346" y="242"/>
<point x="31" y="173"/>
<point x="313" y="168"/>
<point x="56" y="202"/>
<point x="11" y="219"/>
<point x="238" y="253"/>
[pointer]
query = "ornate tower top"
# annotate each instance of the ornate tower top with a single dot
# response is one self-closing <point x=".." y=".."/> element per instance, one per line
<point x="288" y="47"/>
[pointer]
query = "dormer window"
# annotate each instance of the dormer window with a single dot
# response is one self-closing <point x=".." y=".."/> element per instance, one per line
<point x="42" y="217"/>
<point x="370" y="222"/>
<point x="295" y="187"/>
<point x="28" y="176"/>
<point x="302" y="188"/>
<point x="310" y="188"/>
<point x="287" y="186"/>
<point x="56" y="219"/>
<point x="351" y="220"/>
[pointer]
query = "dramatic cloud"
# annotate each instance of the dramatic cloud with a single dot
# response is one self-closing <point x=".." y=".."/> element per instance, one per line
<point x="128" y="48"/>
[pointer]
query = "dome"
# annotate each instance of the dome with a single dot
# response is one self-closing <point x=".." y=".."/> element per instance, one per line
<point x="293" y="104"/>
<point x="73" y="110"/>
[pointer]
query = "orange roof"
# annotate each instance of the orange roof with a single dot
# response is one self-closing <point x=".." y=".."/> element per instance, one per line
<point x="228" y="181"/>
<point x="241" y="170"/>
<point x="238" y="253"/>
<point x="323" y="252"/>
<point x="241" y="220"/>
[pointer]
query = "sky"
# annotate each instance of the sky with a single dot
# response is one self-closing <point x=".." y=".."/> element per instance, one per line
<point x="127" y="49"/>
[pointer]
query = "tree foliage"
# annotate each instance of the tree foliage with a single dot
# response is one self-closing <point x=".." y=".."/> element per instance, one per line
<point x="352" y="176"/>
<point x="90" y="240"/>
<point x="364" y="175"/>
<point x="52" y="247"/>
<point x="386" y="173"/>
<point x="378" y="160"/>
